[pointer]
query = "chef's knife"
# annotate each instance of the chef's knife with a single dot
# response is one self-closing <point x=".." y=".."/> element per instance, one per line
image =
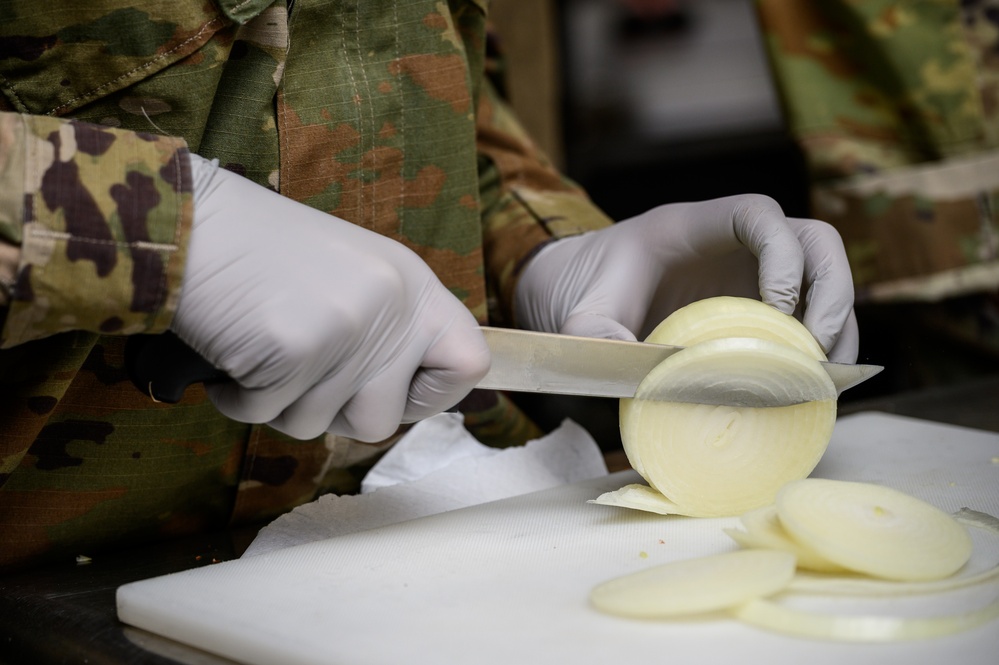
<point x="526" y="361"/>
<point x="522" y="361"/>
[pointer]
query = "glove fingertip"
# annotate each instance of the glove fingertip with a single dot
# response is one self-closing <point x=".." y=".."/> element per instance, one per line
<point x="845" y="348"/>
<point x="783" y="302"/>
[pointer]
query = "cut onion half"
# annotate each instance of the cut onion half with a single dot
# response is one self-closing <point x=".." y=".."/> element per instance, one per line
<point x="695" y="586"/>
<point x="873" y="529"/>
<point x="714" y="460"/>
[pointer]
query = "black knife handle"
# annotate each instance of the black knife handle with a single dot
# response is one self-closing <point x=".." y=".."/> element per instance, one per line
<point x="163" y="366"/>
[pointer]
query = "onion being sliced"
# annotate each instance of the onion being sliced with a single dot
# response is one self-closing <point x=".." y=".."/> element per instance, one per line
<point x="713" y="460"/>
<point x="873" y="529"/>
<point x="694" y="586"/>
<point x="703" y="428"/>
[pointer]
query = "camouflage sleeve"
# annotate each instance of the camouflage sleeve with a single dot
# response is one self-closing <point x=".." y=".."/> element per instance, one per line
<point x="526" y="202"/>
<point x="93" y="226"/>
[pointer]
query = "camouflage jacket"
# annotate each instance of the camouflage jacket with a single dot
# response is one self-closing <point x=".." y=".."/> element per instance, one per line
<point x="896" y="107"/>
<point x="377" y="111"/>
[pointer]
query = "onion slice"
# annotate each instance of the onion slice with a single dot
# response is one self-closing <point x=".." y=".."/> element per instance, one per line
<point x="845" y="628"/>
<point x="764" y="531"/>
<point x="873" y="529"/>
<point x="857" y="585"/>
<point x="738" y="371"/>
<point x="694" y="586"/>
<point x="865" y="586"/>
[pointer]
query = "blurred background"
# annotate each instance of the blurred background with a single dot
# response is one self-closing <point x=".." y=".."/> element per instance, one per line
<point x="879" y="117"/>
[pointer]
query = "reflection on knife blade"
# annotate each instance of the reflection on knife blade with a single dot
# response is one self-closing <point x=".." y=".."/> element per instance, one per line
<point x="526" y="361"/>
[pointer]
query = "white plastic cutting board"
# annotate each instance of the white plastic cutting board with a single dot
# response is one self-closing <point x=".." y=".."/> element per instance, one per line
<point x="507" y="582"/>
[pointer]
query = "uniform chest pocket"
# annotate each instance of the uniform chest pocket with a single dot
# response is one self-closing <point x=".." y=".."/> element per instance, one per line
<point x="56" y="57"/>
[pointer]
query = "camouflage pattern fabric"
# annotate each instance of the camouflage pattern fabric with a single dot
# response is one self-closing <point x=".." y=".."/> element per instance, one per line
<point x="896" y="107"/>
<point x="134" y="262"/>
<point x="377" y="111"/>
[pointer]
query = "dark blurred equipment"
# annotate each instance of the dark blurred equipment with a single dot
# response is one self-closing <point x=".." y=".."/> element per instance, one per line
<point x="673" y="102"/>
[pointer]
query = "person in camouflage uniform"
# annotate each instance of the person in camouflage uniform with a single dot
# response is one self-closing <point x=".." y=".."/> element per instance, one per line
<point x="376" y="114"/>
<point x="896" y="108"/>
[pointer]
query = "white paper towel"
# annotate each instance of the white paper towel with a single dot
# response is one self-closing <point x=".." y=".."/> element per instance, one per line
<point x="438" y="466"/>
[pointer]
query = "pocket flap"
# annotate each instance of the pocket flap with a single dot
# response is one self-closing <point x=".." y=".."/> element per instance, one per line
<point x="57" y="57"/>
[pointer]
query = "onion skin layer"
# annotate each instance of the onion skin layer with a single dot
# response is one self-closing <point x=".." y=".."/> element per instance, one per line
<point x="728" y="316"/>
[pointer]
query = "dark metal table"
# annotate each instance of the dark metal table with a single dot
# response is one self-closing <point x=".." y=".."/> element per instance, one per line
<point x="66" y="613"/>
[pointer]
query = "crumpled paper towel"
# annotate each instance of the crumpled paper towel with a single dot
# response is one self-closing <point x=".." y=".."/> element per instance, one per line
<point x="438" y="466"/>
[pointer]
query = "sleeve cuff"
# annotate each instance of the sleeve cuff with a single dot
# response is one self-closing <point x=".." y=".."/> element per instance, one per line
<point x="525" y="221"/>
<point x="102" y="217"/>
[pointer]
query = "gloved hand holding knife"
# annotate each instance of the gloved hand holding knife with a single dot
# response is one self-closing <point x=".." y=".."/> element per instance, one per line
<point x="321" y="324"/>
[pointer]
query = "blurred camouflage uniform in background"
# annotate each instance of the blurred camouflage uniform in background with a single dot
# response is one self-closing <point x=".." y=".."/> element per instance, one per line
<point x="378" y="112"/>
<point x="896" y="108"/>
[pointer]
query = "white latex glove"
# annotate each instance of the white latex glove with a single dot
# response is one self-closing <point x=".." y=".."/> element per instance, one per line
<point x="621" y="281"/>
<point x="323" y="325"/>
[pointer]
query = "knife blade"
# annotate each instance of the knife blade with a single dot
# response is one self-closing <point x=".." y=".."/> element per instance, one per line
<point x="527" y="361"/>
<point x="162" y="366"/>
